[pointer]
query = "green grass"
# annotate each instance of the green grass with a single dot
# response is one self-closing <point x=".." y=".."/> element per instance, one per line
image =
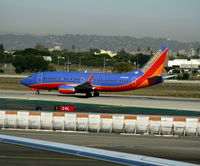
<point x="167" y="89"/>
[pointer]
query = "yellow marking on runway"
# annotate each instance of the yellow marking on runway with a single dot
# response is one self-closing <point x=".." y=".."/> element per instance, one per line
<point x="48" y="158"/>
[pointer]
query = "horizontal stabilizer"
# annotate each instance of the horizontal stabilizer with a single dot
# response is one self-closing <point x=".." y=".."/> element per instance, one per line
<point x="168" y="76"/>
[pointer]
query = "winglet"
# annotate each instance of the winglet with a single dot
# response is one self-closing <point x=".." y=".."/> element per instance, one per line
<point x="90" y="79"/>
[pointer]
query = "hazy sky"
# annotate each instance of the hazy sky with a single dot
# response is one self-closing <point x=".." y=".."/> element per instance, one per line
<point x="174" y="19"/>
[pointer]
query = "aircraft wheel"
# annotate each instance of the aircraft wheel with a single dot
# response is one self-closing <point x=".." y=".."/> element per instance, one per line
<point x="96" y="94"/>
<point x="88" y="94"/>
<point x="37" y="92"/>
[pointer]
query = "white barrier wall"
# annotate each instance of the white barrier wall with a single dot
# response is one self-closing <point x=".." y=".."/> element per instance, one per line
<point x="2" y="119"/>
<point x="106" y="123"/>
<point x="154" y="125"/>
<point x="118" y="123"/>
<point x="46" y="120"/>
<point x="142" y="124"/>
<point x="130" y="123"/>
<point x="70" y="122"/>
<point x="137" y="124"/>
<point x="82" y="122"/>
<point x="34" y="120"/>
<point x="23" y="120"/>
<point x="11" y="119"/>
<point x="58" y="121"/>
<point x="94" y="122"/>
<point x="166" y="125"/>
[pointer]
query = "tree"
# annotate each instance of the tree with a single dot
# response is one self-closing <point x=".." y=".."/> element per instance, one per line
<point x="148" y="49"/>
<point x="73" y="47"/>
<point x="30" y="63"/>
<point x="185" y="76"/>
<point x="198" y="50"/>
<point x="122" y="67"/>
<point x="20" y="64"/>
<point x="1" y="48"/>
<point x="39" y="47"/>
<point x="140" y="59"/>
<point x="2" y="54"/>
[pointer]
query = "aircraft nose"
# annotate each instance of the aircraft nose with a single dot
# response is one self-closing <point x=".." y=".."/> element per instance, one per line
<point x="24" y="82"/>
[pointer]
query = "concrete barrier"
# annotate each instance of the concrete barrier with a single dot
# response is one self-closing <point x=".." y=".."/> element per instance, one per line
<point x="11" y="119"/>
<point x="23" y="120"/>
<point x="118" y="123"/>
<point x="154" y="125"/>
<point x="179" y="126"/>
<point x="46" y="120"/>
<point x="106" y="123"/>
<point x="191" y="127"/>
<point x="58" y="121"/>
<point x="2" y="119"/>
<point x="94" y="122"/>
<point x="130" y="123"/>
<point x="70" y="122"/>
<point x="137" y="124"/>
<point x="166" y="125"/>
<point x="142" y="124"/>
<point x="34" y="120"/>
<point x="82" y="122"/>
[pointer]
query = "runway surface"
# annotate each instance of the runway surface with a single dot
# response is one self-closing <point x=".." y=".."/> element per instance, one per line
<point x="116" y="100"/>
<point x="48" y="106"/>
<point x="175" y="148"/>
<point x="11" y="155"/>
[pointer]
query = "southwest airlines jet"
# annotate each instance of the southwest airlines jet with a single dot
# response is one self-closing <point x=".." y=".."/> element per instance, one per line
<point x="93" y="83"/>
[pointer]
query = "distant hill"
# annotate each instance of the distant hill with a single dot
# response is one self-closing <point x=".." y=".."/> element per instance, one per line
<point x="85" y="42"/>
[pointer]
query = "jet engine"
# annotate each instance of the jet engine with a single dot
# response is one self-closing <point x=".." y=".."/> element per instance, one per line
<point x="66" y="89"/>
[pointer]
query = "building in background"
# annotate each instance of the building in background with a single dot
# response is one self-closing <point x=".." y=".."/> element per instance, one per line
<point x="110" y="53"/>
<point x="185" y="65"/>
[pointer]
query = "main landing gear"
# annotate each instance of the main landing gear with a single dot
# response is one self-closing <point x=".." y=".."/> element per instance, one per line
<point x="89" y="94"/>
<point x="96" y="93"/>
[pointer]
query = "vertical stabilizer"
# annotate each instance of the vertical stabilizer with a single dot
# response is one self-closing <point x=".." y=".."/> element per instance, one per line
<point x="155" y="66"/>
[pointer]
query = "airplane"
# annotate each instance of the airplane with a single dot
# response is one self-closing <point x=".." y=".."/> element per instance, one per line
<point x="93" y="83"/>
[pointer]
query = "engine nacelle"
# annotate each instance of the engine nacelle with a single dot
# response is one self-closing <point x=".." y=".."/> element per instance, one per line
<point x="66" y="89"/>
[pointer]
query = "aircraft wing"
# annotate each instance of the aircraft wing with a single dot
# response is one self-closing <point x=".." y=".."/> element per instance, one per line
<point x="94" y="153"/>
<point x="82" y="88"/>
<point x="85" y="86"/>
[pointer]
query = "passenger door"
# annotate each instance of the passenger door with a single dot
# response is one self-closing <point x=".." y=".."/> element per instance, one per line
<point x="39" y="78"/>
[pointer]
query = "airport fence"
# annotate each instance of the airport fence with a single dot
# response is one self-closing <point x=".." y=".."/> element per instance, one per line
<point x="91" y="122"/>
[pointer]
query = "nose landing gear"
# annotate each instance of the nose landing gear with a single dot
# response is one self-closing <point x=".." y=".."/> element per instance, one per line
<point x="37" y="92"/>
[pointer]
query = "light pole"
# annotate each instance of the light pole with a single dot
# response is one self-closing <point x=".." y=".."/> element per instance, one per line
<point x="137" y="62"/>
<point x="67" y="64"/>
<point x="104" y="64"/>
<point x="58" y="63"/>
<point x="5" y="60"/>
<point x="79" y="63"/>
